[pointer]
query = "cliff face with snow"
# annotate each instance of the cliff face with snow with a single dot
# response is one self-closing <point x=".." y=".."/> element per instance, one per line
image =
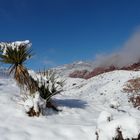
<point x="85" y="74"/>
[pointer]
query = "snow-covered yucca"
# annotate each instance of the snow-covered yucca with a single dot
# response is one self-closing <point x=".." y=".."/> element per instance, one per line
<point x="50" y="85"/>
<point x="16" y="54"/>
<point x="38" y="88"/>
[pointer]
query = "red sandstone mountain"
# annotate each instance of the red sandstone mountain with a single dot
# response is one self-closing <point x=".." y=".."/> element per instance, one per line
<point x="99" y="70"/>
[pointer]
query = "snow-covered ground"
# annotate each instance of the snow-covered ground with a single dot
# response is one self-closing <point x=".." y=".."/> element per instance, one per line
<point x="88" y="106"/>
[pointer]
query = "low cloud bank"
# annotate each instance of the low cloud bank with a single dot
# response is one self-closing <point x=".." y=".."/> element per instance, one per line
<point x="127" y="55"/>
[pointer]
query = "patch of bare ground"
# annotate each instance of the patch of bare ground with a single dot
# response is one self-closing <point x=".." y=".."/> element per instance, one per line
<point x="133" y="88"/>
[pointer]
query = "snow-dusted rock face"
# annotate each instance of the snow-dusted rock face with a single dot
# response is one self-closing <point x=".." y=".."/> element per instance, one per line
<point x="87" y="70"/>
<point x="65" y="70"/>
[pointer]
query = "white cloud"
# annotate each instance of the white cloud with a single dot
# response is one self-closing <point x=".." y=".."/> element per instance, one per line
<point x="128" y="54"/>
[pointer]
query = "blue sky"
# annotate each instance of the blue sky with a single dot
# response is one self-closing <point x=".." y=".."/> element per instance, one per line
<point x="63" y="31"/>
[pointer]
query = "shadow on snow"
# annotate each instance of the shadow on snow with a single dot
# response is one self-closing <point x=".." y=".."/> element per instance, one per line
<point x="71" y="103"/>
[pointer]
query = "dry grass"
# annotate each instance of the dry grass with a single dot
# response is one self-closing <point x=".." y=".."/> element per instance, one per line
<point x="133" y="87"/>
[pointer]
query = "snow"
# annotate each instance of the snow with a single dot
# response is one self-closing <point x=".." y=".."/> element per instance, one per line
<point x="104" y="117"/>
<point x="38" y="77"/>
<point x="34" y="102"/>
<point x="28" y="104"/>
<point x="86" y="106"/>
<point x="128" y="125"/>
<point x="46" y="80"/>
<point x="114" y="104"/>
<point x="35" y="76"/>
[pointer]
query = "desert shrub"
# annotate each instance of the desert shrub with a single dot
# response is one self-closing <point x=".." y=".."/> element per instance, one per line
<point x="135" y="100"/>
<point x="132" y="86"/>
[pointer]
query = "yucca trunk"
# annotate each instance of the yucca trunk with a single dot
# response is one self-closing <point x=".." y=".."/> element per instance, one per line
<point x="23" y="78"/>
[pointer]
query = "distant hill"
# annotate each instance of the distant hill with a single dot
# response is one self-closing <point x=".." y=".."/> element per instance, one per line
<point x="87" y="70"/>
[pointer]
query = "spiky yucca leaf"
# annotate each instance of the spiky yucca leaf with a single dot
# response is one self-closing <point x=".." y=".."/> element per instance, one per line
<point x="23" y="78"/>
<point x="46" y="92"/>
<point x="16" y="58"/>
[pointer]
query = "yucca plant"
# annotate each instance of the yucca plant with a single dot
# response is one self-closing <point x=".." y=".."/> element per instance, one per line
<point x="40" y="91"/>
<point x="53" y="78"/>
<point x="16" y="57"/>
<point x="51" y="87"/>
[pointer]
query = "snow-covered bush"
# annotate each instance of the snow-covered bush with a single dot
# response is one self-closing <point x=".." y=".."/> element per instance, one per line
<point x="34" y="105"/>
<point x="122" y="128"/>
<point x="49" y="84"/>
<point x="104" y="117"/>
<point x="114" y="104"/>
